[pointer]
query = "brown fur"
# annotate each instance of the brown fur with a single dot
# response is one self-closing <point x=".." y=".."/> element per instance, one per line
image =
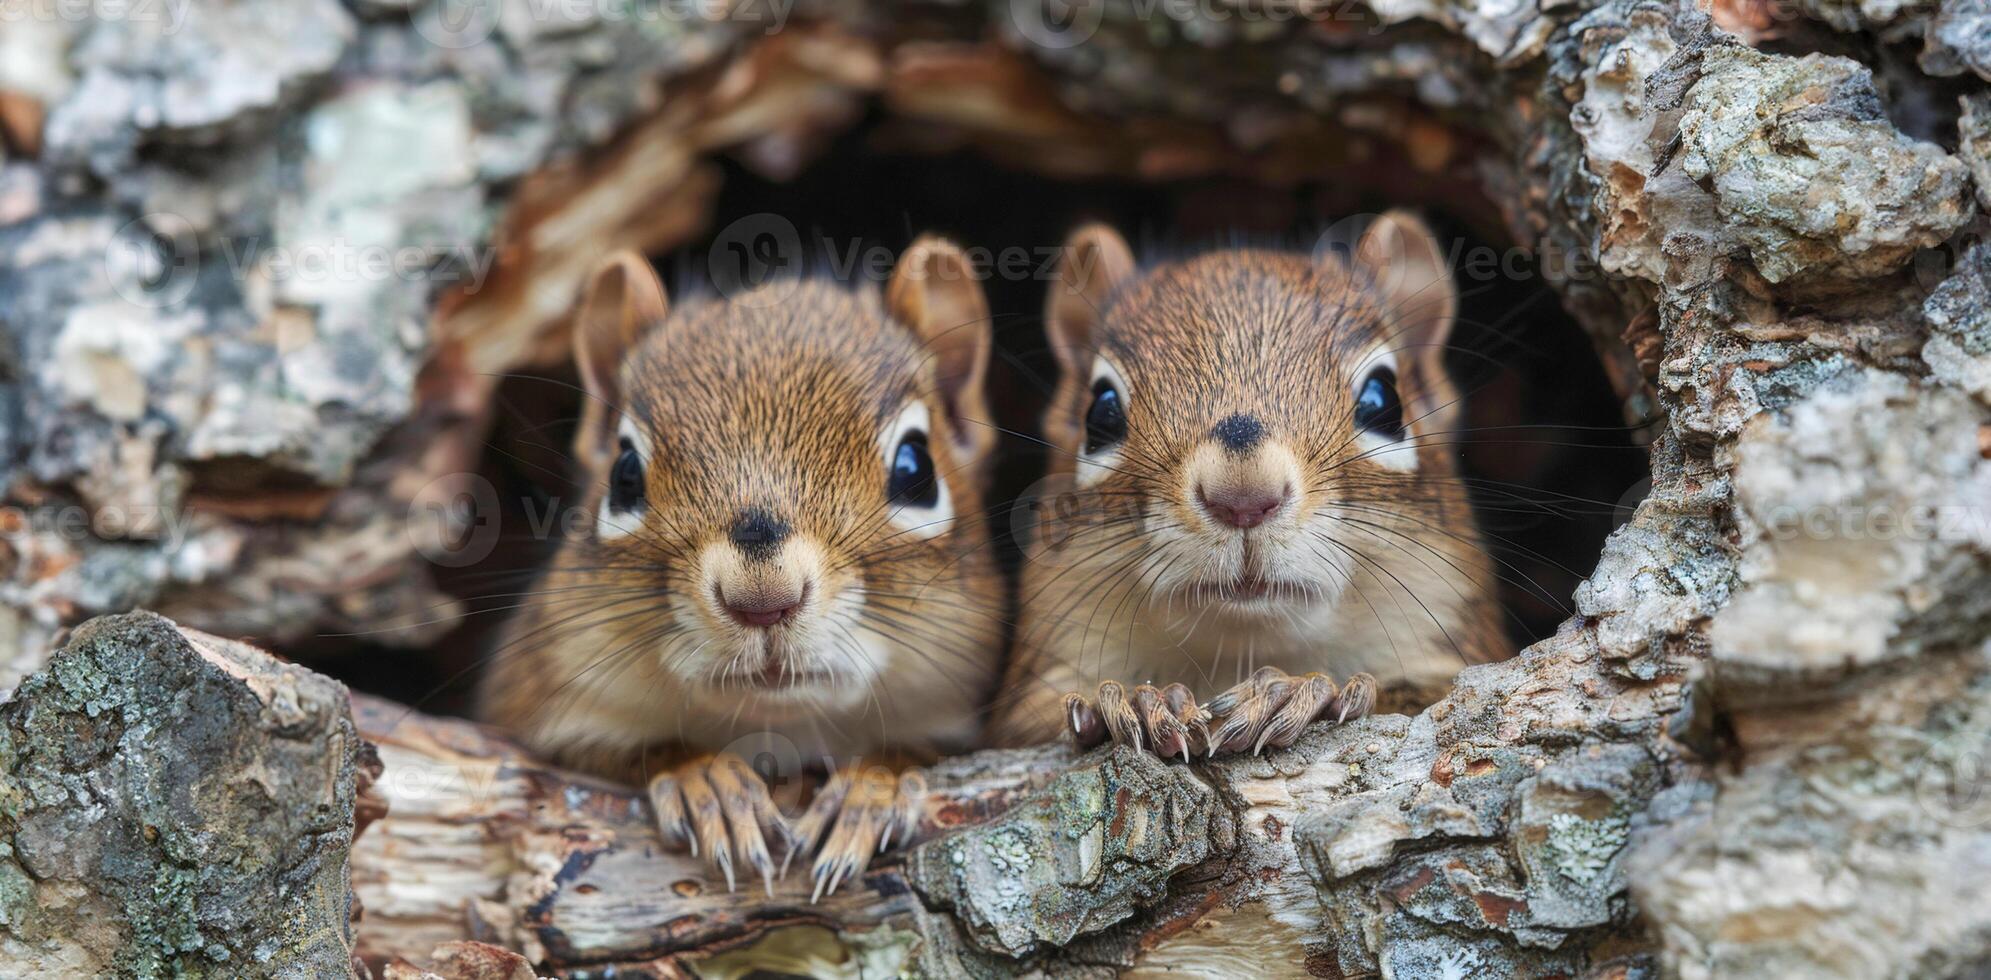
<point x="623" y="662"/>
<point x="1280" y="338"/>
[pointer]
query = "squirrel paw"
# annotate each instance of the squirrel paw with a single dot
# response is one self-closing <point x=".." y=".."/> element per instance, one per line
<point x="1166" y="721"/>
<point x="719" y="807"/>
<point x="855" y="815"/>
<point x="1273" y="707"/>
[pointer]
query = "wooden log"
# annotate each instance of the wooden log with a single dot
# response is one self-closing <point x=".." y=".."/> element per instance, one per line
<point x="1387" y="840"/>
<point x="1772" y="251"/>
<point x="482" y="841"/>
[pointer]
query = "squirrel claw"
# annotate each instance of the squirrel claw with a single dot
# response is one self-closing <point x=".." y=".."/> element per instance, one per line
<point x="856" y="815"/>
<point x="1357" y="698"/>
<point x="718" y="807"/>
<point x="1166" y="721"/>
<point x="1272" y="708"/>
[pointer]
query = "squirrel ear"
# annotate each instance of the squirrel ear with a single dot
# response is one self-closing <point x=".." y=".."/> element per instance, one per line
<point x="1094" y="262"/>
<point x="621" y="300"/>
<point x="934" y="291"/>
<point x="1404" y="266"/>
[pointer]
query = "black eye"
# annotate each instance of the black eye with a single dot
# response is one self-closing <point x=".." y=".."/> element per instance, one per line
<point x="911" y="482"/>
<point x="1106" y="420"/>
<point x="625" y="480"/>
<point x="1376" y="406"/>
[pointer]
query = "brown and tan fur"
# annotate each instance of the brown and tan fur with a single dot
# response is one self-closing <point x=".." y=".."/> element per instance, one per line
<point x="768" y="410"/>
<point x="1381" y="568"/>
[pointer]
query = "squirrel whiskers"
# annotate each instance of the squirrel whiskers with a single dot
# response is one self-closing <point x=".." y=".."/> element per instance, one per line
<point x="1255" y="491"/>
<point x="785" y="548"/>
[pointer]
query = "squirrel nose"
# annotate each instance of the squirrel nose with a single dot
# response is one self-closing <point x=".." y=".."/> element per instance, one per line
<point x="1242" y="507"/>
<point x="758" y="534"/>
<point x="1239" y="433"/>
<point x="762" y="609"/>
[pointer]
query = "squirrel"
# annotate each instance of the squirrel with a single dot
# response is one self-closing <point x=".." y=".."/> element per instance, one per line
<point x="1256" y="458"/>
<point x="784" y="495"/>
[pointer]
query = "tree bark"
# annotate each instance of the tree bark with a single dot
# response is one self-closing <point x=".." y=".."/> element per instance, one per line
<point x="1044" y="861"/>
<point x="175" y="804"/>
<point x="1755" y="749"/>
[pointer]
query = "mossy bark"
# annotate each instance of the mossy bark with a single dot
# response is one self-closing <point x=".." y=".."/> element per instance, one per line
<point x="174" y="805"/>
<point x="1755" y="748"/>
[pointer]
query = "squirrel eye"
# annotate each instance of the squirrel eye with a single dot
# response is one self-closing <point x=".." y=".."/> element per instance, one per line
<point x="1106" y="420"/>
<point x="1377" y="409"/>
<point x="625" y="479"/>
<point x="911" y="482"/>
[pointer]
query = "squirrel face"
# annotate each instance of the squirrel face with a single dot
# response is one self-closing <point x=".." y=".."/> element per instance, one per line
<point x="1259" y="443"/>
<point x="788" y="482"/>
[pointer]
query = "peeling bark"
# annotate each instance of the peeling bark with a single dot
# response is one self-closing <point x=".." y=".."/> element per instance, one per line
<point x="1039" y="860"/>
<point x="1754" y="749"/>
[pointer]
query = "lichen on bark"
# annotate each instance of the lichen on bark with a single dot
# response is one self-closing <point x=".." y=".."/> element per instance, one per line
<point x="175" y="805"/>
<point x="1749" y="750"/>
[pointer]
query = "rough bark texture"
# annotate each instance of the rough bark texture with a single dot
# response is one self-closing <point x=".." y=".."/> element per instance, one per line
<point x="1755" y="750"/>
<point x="176" y="805"/>
<point x="268" y="266"/>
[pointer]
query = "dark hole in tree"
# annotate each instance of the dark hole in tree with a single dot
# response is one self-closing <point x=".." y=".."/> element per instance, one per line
<point x="1549" y="460"/>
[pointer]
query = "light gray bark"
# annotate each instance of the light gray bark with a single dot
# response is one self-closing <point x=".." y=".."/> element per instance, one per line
<point x="1756" y="749"/>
